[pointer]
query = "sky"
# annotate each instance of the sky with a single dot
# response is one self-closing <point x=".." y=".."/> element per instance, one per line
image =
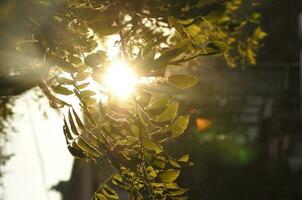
<point x="41" y="158"/>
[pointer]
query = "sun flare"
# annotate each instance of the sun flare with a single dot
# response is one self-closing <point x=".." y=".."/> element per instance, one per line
<point x="120" y="79"/>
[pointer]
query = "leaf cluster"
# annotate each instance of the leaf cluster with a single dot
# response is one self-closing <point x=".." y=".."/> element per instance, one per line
<point x="68" y="38"/>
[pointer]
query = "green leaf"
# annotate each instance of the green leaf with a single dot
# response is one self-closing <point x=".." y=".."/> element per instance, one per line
<point x="72" y="124"/>
<point x="91" y="140"/>
<point x="78" y="120"/>
<point x="168" y="114"/>
<point x="143" y="116"/>
<point x="153" y="173"/>
<point x="158" y="102"/>
<point x="66" y="131"/>
<point x="178" y="192"/>
<point x="67" y="67"/>
<point x="87" y="148"/>
<point x="174" y="164"/>
<point x="193" y="30"/>
<point x="184" y="158"/>
<point x="99" y="197"/>
<point x="62" y="90"/>
<point x="87" y="93"/>
<point x="89" y="100"/>
<point x="159" y="164"/>
<point x="82" y="67"/>
<point x="117" y="177"/>
<point x="151" y="145"/>
<point x="135" y="130"/>
<point x="169" y="175"/>
<point x="215" y="47"/>
<point x="83" y="85"/>
<point x="172" y="53"/>
<point x="109" y="192"/>
<point x="171" y="185"/>
<point x="64" y="81"/>
<point x="95" y="59"/>
<point x="73" y="59"/>
<point x="179" y="125"/>
<point x="82" y="76"/>
<point x="76" y="152"/>
<point x="182" y="81"/>
<point x="157" y="185"/>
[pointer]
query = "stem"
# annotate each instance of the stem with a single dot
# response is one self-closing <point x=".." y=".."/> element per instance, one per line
<point x="143" y="164"/>
<point x="182" y="60"/>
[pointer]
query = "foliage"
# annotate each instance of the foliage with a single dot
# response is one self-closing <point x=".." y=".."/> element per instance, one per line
<point x="5" y="115"/>
<point x="68" y="39"/>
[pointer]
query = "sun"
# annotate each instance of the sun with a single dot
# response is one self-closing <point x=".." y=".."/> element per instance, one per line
<point x="120" y="79"/>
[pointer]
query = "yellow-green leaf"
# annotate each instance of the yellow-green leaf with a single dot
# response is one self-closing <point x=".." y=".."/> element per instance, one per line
<point x="64" y="81"/>
<point x="83" y="85"/>
<point x="178" y="192"/>
<point x="193" y="30"/>
<point x="135" y="130"/>
<point x="89" y="100"/>
<point x="75" y="60"/>
<point x="169" y="175"/>
<point x="168" y="114"/>
<point x="67" y="67"/>
<point x="109" y="192"/>
<point x="179" y="125"/>
<point x="157" y="102"/>
<point x="184" y="158"/>
<point x="62" y="90"/>
<point x="151" y="145"/>
<point x="87" y="148"/>
<point x="143" y="116"/>
<point x="99" y="197"/>
<point x="82" y="76"/>
<point x="95" y="59"/>
<point x="182" y="81"/>
<point x="174" y="163"/>
<point x="159" y="164"/>
<point x="87" y="93"/>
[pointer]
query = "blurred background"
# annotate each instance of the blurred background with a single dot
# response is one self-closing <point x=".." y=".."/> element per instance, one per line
<point x="244" y="136"/>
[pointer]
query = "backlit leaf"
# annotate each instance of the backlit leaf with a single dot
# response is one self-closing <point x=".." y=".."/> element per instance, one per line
<point x="67" y="67"/>
<point x="157" y="102"/>
<point x="82" y="76"/>
<point x="72" y="124"/>
<point x="179" y="125"/>
<point x="151" y="145"/>
<point x="182" y="81"/>
<point x="169" y="175"/>
<point x="61" y="90"/>
<point x="95" y="59"/>
<point x="83" y="85"/>
<point x="184" y="158"/>
<point x="143" y="116"/>
<point x="87" y="93"/>
<point x="75" y="60"/>
<point x="169" y="113"/>
<point x="109" y="192"/>
<point x="64" y="81"/>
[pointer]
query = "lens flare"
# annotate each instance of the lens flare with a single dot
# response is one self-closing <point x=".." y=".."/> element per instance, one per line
<point x="120" y="79"/>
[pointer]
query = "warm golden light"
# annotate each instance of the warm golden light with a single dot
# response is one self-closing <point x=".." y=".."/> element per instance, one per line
<point x="120" y="79"/>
